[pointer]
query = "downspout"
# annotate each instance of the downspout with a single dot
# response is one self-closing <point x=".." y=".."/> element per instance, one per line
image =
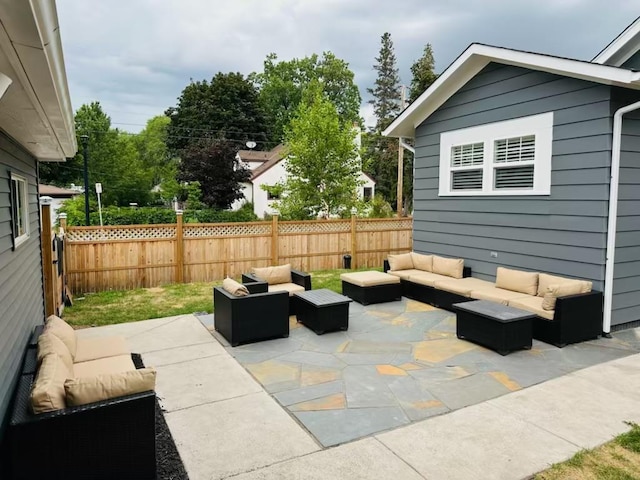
<point x="613" y="212"/>
<point x="406" y="146"/>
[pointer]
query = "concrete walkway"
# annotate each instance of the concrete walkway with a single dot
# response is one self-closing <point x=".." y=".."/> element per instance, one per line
<point x="225" y="425"/>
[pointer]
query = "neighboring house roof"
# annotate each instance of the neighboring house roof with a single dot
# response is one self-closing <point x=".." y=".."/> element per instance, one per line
<point x="478" y="56"/>
<point x="36" y="106"/>
<point x="56" y="192"/>
<point x="623" y="47"/>
<point x="369" y="177"/>
<point x="260" y="156"/>
<point x="275" y="156"/>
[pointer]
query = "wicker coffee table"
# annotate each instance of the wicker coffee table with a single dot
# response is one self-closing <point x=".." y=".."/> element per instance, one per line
<point x="323" y="310"/>
<point x="493" y="325"/>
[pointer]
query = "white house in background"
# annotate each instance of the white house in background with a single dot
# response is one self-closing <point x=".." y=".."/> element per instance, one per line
<point x="269" y="169"/>
<point x="58" y="196"/>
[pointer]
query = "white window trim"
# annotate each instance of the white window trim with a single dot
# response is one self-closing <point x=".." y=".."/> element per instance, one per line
<point x="539" y="125"/>
<point x="19" y="240"/>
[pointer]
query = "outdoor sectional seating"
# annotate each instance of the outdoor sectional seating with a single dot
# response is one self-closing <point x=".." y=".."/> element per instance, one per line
<point x="281" y="278"/>
<point x="576" y="316"/>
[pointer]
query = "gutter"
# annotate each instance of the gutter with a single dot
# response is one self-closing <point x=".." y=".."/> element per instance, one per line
<point x="406" y="146"/>
<point x="613" y="212"/>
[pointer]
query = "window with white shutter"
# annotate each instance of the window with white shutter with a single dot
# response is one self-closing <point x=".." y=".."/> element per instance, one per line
<point x="465" y="160"/>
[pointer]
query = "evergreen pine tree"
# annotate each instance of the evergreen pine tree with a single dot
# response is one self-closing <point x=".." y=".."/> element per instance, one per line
<point x="423" y="74"/>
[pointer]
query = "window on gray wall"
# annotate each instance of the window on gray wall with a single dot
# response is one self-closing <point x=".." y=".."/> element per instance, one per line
<point x="466" y="166"/>
<point x="19" y="210"/>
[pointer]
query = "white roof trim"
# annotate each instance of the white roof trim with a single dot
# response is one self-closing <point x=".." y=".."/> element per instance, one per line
<point x="477" y="56"/>
<point x="622" y="47"/>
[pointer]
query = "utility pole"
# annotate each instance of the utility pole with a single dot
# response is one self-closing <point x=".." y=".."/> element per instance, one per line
<point x="399" y="193"/>
<point x="85" y="154"/>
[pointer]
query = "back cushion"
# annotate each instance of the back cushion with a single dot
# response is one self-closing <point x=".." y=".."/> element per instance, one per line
<point x="47" y="394"/>
<point x="234" y="288"/>
<point x="517" y="280"/>
<point x="422" y="262"/>
<point x="80" y="391"/>
<point x="562" y="290"/>
<point x="48" y="343"/>
<point x="546" y="280"/>
<point x="451" y="267"/>
<point x="274" y="275"/>
<point x="403" y="261"/>
<point x="63" y="331"/>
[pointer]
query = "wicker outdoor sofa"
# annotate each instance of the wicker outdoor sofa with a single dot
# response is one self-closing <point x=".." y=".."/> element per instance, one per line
<point x="576" y="317"/>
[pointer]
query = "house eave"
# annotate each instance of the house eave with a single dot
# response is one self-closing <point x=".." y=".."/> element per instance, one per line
<point x="623" y="47"/>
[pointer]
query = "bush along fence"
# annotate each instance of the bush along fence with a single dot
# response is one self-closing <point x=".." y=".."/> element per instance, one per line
<point x="131" y="256"/>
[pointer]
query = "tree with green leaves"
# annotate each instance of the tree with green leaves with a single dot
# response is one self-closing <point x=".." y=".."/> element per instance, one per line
<point x="422" y="73"/>
<point x="151" y="143"/>
<point x="322" y="162"/>
<point x="282" y="85"/>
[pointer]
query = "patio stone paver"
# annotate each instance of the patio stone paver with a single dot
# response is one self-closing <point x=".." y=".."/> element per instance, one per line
<point x="469" y="390"/>
<point x="304" y="394"/>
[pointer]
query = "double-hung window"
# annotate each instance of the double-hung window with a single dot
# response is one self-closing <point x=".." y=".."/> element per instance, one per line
<point x="19" y="210"/>
<point x="503" y="158"/>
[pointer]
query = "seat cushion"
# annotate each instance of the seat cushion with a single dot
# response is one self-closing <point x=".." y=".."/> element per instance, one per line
<point x="47" y="394"/>
<point x="369" y="279"/>
<point x="286" y="287"/>
<point x="532" y="304"/>
<point x="451" y="267"/>
<point x="80" y="391"/>
<point x="63" y="331"/>
<point x="422" y="262"/>
<point x="102" y="366"/>
<point x="545" y="280"/>
<point x="405" y="274"/>
<point x="95" y="348"/>
<point x="495" y="294"/>
<point x="462" y="286"/>
<point x="49" y="343"/>
<point x="517" y="280"/>
<point x="555" y="291"/>
<point x="235" y="288"/>
<point x="274" y="275"/>
<point x="402" y="261"/>
<point x="426" y="278"/>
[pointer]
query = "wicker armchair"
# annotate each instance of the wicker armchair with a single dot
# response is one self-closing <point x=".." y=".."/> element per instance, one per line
<point x="298" y="278"/>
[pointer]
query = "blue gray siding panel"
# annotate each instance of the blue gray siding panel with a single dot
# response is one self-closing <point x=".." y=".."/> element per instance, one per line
<point x="21" y="293"/>
<point x="563" y="233"/>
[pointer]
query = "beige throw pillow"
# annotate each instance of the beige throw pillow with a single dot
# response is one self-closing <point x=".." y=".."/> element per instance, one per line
<point x="422" y="262"/>
<point x="63" y="331"/>
<point x="562" y="290"/>
<point x="48" y="343"/>
<point x="235" y="288"/>
<point x="517" y="280"/>
<point x="47" y="393"/>
<point x="451" y="267"/>
<point x="274" y="275"/>
<point x="546" y="280"/>
<point x="402" y="261"/>
<point x="80" y="391"/>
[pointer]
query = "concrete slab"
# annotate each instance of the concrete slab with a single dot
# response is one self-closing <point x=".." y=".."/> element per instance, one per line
<point x="361" y="460"/>
<point x="183" y="331"/>
<point x="224" y="438"/>
<point x="194" y="382"/>
<point x="183" y="354"/>
<point x="124" y="329"/>
<point x="477" y="442"/>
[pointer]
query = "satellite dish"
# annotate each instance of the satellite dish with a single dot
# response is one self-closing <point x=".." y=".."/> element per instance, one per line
<point x="251" y="145"/>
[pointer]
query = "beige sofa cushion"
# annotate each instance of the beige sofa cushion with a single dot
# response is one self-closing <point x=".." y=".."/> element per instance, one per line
<point x="428" y="279"/>
<point x="451" y="267"/>
<point x="422" y="262"/>
<point x="462" y="286"/>
<point x="48" y="344"/>
<point x="499" y="295"/>
<point x="517" y="280"/>
<point x="80" y="391"/>
<point x="47" y="394"/>
<point x="102" y="366"/>
<point x="562" y="290"/>
<point x="545" y="280"/>
<point x="369" y="279"/>
<point x="532" y="304"/>
<point x="405" y="274"/>
<point x="402" y="261"/>
<point x="234" y="288"/>
<point x="95" y="348"/>
<point x="274" y="275"/>
<point x="285" y="287"/>
<point x="63" y="331"/>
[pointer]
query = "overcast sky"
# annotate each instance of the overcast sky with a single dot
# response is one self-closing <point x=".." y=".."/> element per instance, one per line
<point x="136" y="56"/>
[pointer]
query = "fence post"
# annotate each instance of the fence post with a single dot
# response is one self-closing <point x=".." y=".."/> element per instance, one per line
<point x="62" y="218"/>
<point x="47" y="259"/>
<point x="179" y="249"/>
<point x="274" y="240"/>
<point x="354" y="242"/>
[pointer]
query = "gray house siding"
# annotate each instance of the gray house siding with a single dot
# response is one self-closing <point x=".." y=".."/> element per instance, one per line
<point x="21" y="291"/>
<point x="563" y="233"/>
<point x="626" y="284"/>
<point x="633" y="62"/>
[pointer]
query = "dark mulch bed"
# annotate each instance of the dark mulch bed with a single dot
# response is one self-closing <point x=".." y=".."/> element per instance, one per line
<point x="169" y="465"/>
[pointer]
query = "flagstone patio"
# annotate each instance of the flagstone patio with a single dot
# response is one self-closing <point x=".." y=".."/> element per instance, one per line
<point x="398" y="363"/>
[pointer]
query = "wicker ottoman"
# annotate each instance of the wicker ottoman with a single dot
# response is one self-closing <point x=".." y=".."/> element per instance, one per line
<point x="371" y="287"/>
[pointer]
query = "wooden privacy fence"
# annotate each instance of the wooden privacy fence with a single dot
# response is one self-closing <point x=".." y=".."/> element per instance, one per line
<point x="52" y="265"/>
<point x="130" y="256"/>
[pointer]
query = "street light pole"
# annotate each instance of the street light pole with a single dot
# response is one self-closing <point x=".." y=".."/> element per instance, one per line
<point x="85" y="154"/>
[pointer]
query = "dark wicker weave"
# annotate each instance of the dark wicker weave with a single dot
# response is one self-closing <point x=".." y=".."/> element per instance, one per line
<point x="299" y="278"/>
<point x="323" y="310"/>
<point x="261" y="315"/>
<point x="372" y="294"/>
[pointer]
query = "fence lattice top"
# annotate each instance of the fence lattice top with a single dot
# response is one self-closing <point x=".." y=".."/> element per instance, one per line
<point x="79" y="234"/>
<point x="225" y="230"/>
<point x="315" y="227"/>
<point x="380" y="225"/>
